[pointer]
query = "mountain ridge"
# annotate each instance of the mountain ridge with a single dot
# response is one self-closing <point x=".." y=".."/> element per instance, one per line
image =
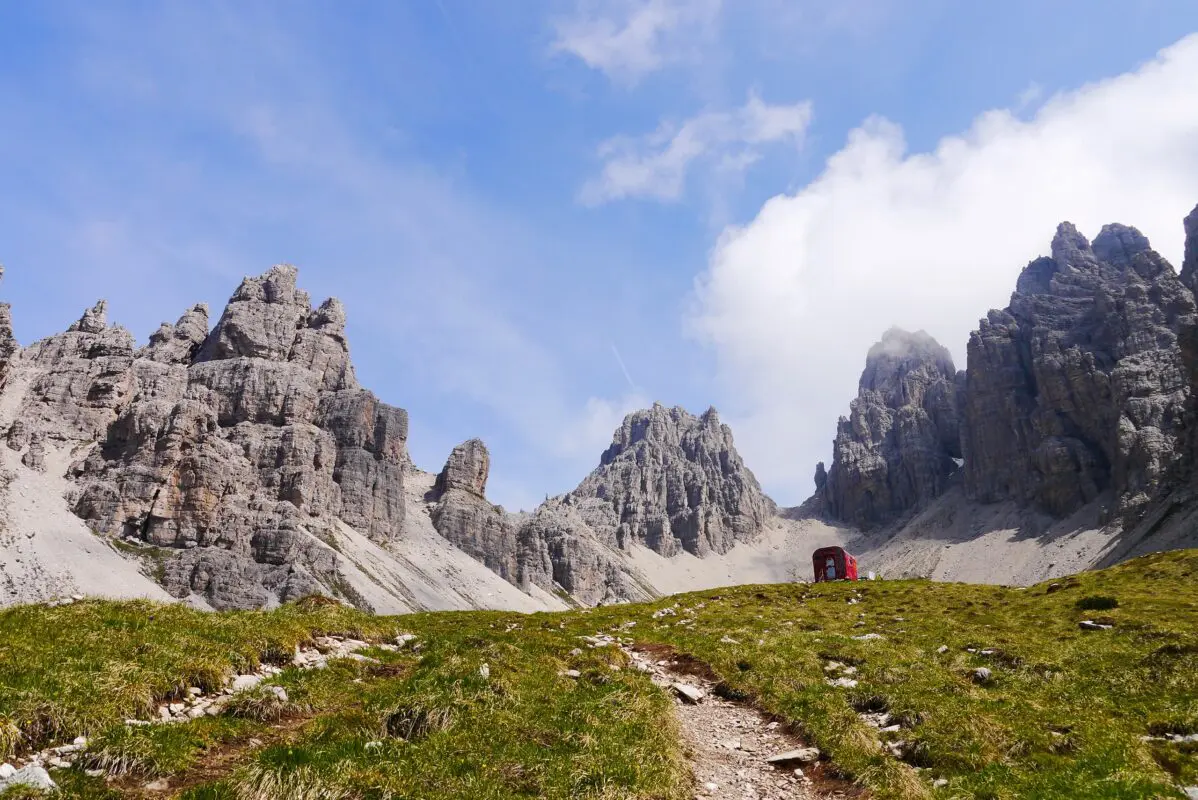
<point x="243" y="466"/>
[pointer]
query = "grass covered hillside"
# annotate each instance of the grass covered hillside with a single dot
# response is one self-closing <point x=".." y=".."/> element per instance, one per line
<point x="909" y="689"/>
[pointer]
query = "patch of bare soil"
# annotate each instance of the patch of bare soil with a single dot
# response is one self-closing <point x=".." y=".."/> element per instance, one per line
<point x="216" y="764"/>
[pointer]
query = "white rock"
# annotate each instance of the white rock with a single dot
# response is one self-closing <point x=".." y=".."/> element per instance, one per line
<point x="689" y="694"/>
<point x="711" y="787"/>
<point x="942" y="649"/>
<point x="732" y="744"/>
<point x="728" y="640"/>
<point x="940" y="782"/>
<point x="164" y="712"/>
<point x="982" y="675"/>
<point x="1091" y="625"/>
<point x="7" y="771"/>
<point x="160" y="785"/>
<point x="803" y="755"/>
<point x="572" y="673"/>
<point x="30" y="775"/>
<point x="76" y="597"/>
<point x="279" y="692"/>
<point x="1191" y="792"/>
<point x="243" y="682"/>
<point x="868" y="637"/>
<point x="485" y="670"/>
<point x="361" y="658"/>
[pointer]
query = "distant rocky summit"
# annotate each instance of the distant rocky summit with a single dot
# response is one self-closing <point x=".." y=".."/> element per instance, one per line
<point x="670" y="482"/>
<point x="1077" y="387"/>
<point x="226" y="449"/>
<point x="1076" y="393"/>
<point x="900" y="444"/>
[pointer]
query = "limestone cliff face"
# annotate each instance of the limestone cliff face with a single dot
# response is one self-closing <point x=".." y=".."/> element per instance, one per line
<point x="900" y="444"/>
<point x="674" y="482"/>
<point x="464" y="517"/>
<point x="235" y="452"/>
<point x="1078" y="387"/>
<point x="670" y="481"/>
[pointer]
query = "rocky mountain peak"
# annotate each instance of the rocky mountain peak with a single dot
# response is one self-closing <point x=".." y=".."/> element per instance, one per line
<point x="94" y="320"/>
<point x="238" y="451"/>
<point x="902" y="365"/>
<point x="1118" y="244"/>
<point x="1076" y="387"/>
<point x="179" y="343"/>
<point x="1070" y="249"/>
<point x="897" y="448"/>
<point x="467" y="469"/>
<point x="675" y="481"/>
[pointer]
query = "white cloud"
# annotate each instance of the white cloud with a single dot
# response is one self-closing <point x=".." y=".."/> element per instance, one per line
<point x="791" y="301"/>
<point x="627" y="39"/>
<point x="655" y="166"/>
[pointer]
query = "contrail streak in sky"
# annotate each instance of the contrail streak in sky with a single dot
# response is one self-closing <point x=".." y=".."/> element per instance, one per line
<point x="623" y="367"/>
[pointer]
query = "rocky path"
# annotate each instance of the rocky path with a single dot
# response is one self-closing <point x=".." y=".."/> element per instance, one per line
<point x="735" y="751"/>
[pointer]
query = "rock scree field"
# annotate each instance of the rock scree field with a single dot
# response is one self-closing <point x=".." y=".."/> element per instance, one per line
<point x="1082" y="687"/>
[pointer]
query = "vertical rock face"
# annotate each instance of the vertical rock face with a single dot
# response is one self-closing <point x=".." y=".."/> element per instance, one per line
<point x="8" y="343"/>
<point x="900" y="444"/>
<point x="237" y="452"/>
<point x="464" y="517"/>
<point x="80" y="379"/>
<point x="1077" y="387"/>
<point x="1189" y="264"/>
<point x="467" y="469"/>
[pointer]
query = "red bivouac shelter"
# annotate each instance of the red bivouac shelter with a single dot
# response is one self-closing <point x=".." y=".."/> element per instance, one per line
<point x="833" y="564"/>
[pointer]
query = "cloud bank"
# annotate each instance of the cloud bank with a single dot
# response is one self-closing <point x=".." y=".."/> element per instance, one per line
<point x="791" y="301"/>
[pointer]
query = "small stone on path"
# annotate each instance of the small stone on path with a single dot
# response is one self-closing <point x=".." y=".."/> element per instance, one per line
<point x="689" y="694"/>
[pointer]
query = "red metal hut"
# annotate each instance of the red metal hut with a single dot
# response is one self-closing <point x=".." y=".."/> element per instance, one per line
<point x="833" y="564"/>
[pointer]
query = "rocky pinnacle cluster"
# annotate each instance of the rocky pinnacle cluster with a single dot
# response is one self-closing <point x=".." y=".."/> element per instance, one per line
<point x="1077" y="391"/>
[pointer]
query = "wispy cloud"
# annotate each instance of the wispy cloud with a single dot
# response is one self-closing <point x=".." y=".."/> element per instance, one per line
<point x="628" y="39"/>
<point x="655" y="166"/>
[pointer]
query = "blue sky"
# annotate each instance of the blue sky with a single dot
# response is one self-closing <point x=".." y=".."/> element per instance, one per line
<point x="731" y="199"/>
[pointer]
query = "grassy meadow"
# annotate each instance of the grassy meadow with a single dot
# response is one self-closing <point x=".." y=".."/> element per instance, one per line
<point x="481" y="707"/>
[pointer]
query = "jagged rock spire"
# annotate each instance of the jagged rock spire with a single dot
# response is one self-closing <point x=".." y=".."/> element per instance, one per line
<point x="1076" y="387"/>
<point x="896" y="449"/>
<point x="94" y="320"/>
<point x="467" y="469"/>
